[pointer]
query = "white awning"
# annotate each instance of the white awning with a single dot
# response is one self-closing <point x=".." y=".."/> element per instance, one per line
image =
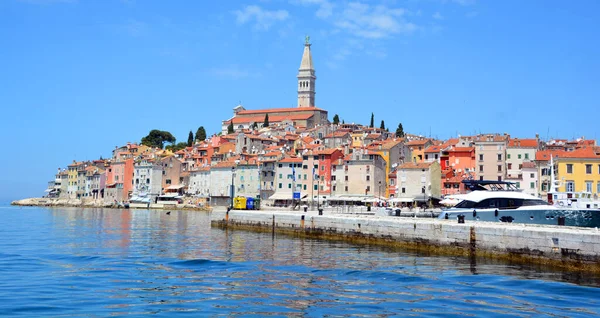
<point x="404" y="200"/>
<point x="175" y="187"/>
<point x="282" y="196"/>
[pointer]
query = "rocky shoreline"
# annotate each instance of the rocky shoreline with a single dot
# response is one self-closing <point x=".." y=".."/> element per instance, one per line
<point x="90" y="203"/>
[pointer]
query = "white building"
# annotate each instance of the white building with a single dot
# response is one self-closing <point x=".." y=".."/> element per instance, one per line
<point x="147" y="180"/>
<point x="200" y="182"/>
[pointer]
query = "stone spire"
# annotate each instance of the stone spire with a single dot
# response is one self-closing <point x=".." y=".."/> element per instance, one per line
<point x="306" y="78"/>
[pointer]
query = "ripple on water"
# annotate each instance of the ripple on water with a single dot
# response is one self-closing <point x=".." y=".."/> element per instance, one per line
<point x="77" y="262"/>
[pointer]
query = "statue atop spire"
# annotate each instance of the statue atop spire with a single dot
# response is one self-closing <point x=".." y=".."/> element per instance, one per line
<point x="307" y="40"/>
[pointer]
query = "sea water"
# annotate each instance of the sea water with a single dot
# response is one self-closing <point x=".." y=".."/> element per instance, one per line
<point x="108" y="262"/>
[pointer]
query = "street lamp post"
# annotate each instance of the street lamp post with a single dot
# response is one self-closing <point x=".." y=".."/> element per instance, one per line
<point x="232" y="185"/>
<point x="379" y="190"/>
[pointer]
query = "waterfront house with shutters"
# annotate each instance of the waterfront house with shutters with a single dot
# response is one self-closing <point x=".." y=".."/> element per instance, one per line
<point x="221" y="179"/>
<point x="417" y="149"/>
<point x="199" y="184"/>
<point x="247" y="178"/>
<point x="147" y="181"/>
<point x="490" y="156"/>
<point x="357" y="177"/>
<point x="419" y="182"/>
<point x="579" y="171"/>
<point x="286" y="181"/>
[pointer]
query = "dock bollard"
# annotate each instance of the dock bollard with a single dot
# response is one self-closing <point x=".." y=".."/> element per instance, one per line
<point x="305" y="209"/>
<point x="461" y="218"/>
<point x="561" y="220"/>
<point x="320" y="211"/>
<point x="398" y="212"/>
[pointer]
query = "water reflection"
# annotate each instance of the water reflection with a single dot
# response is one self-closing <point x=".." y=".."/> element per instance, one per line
<point x="107" y="261"/>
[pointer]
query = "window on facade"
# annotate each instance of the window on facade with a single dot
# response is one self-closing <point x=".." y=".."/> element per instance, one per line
<point x="532" y="185"/>
<point x="332" y="178"/>
<point x="368" y="178"/>
<point x="480" y="157"/>
<point x="509" y="166"/>
<point x="520" y="166"/>
<point x="507" y="156"/>
<point x="598" y="187"/>
<point x="518" y="184"/>
<point x="289" y="185"/>
<point x="334" y="187"/>
<point x="368" y="188"/>
<point x="168" y="181"/>
<point x="544" y="187"/>
<point x="588" y="169"/>
<point x="305" y="187"/>
<point x="499" y="168"/>
<point x="480" y="178"/>
<point x="570" y="186"/>
<point x="481" y="168"/>
<point x="280" y="175"/>
<point x="403" y="190"/>
<point x="280" y="165"/>
<point x="519" y="156"/>
<point x="588" y="186"/>
<point x="499" y="157"/>
<point x="346" y="188"/>
<point x="346" y="178"/>
<point x="526" y="156"/>
<point x="499" y="178"/>
<point x="147" y="181"/>
<point x="280" y="186"/>
<point x="569" y="168"/>
<point x="392" y="182"/>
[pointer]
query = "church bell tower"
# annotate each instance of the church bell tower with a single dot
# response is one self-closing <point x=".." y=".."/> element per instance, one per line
<point x="306" y="78"/>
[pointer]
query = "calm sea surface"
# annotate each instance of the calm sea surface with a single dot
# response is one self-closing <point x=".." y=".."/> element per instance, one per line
<point x="105" y="262"/>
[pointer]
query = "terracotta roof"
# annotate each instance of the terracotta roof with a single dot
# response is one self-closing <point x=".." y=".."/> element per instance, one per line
<point x="582" y="153"/>
<point x="327" y="151"/>
<point x="523" y="143"/>
<point x="450" y="142"/>
<point x="272" y="119"/>
<point x="224" y="164"/>
<point x="291" y="160"/>
<point x="433" y="149"/>
<point x="462" y="149"/>
<point x="373" y="136"/>
<point x="529" y="164"/>
<point x="419" y="142"/>
<point x="277" y="110"/>
<point x="410" y="165"/>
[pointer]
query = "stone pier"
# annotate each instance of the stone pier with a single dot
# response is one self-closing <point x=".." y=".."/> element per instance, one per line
<point x="566" y="248"/>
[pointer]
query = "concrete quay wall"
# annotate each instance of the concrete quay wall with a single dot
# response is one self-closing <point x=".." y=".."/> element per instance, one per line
<point x="567" y="248"/>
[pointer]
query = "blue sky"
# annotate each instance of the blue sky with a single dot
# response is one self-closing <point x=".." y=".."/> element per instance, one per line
<point x="78" y="78"/>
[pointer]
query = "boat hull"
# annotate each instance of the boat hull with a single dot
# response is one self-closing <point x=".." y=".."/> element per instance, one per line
<point x="567" y="217"/>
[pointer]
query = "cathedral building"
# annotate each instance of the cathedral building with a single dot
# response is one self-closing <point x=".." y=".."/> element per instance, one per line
<point x="306" y="115"/>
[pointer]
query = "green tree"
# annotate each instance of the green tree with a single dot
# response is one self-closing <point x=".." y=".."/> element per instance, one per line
<point x="230" y="128"/>
<point x="372" y="121"/>
<point x="200" y="133"/>
<point x="400" y="131"/>
<point x="176" y="147"/>
<point x="266" y="123"/>
<point x="382" y="126"/>
<point x="336" y="119"/>
<point x="343" y="122"/>
<point x="157" y="138"/>
<point x="255" y="126"/>
<point x="190" y="139"/>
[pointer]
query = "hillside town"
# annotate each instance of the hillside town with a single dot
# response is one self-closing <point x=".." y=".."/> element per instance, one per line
<point x="291" y="156"/>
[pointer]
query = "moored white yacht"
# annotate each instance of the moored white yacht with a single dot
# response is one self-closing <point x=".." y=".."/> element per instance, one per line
<point x="514" y="206"/>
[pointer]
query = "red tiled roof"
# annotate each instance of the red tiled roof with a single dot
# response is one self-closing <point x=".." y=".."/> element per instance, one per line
<point x="328" y="151"/>
<point x="277" y="110"/>
<point x="462" y="149"/>
<point x="291" y="160"/>
<point x="420" y="165"/>
<point x="529" y="164"/>
<point x="523" y="143"/>
<point x="272" y="119"/>
<point x="419" y="142"/>
<point x="432" y="149"/>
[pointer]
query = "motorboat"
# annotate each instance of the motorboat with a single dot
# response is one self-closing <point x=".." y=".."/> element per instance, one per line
<point x="506" y="205"/>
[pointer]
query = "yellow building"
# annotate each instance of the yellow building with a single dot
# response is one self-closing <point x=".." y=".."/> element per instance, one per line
<point x="72" y="179"/>
<point x="579" y="170"/>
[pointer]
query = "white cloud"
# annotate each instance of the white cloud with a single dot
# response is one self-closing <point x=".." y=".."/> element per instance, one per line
<point x="325" y="9"/>
<point x="438" y="16"/>
<point x="373" y="22"/>
<point x="262" y="19"/>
